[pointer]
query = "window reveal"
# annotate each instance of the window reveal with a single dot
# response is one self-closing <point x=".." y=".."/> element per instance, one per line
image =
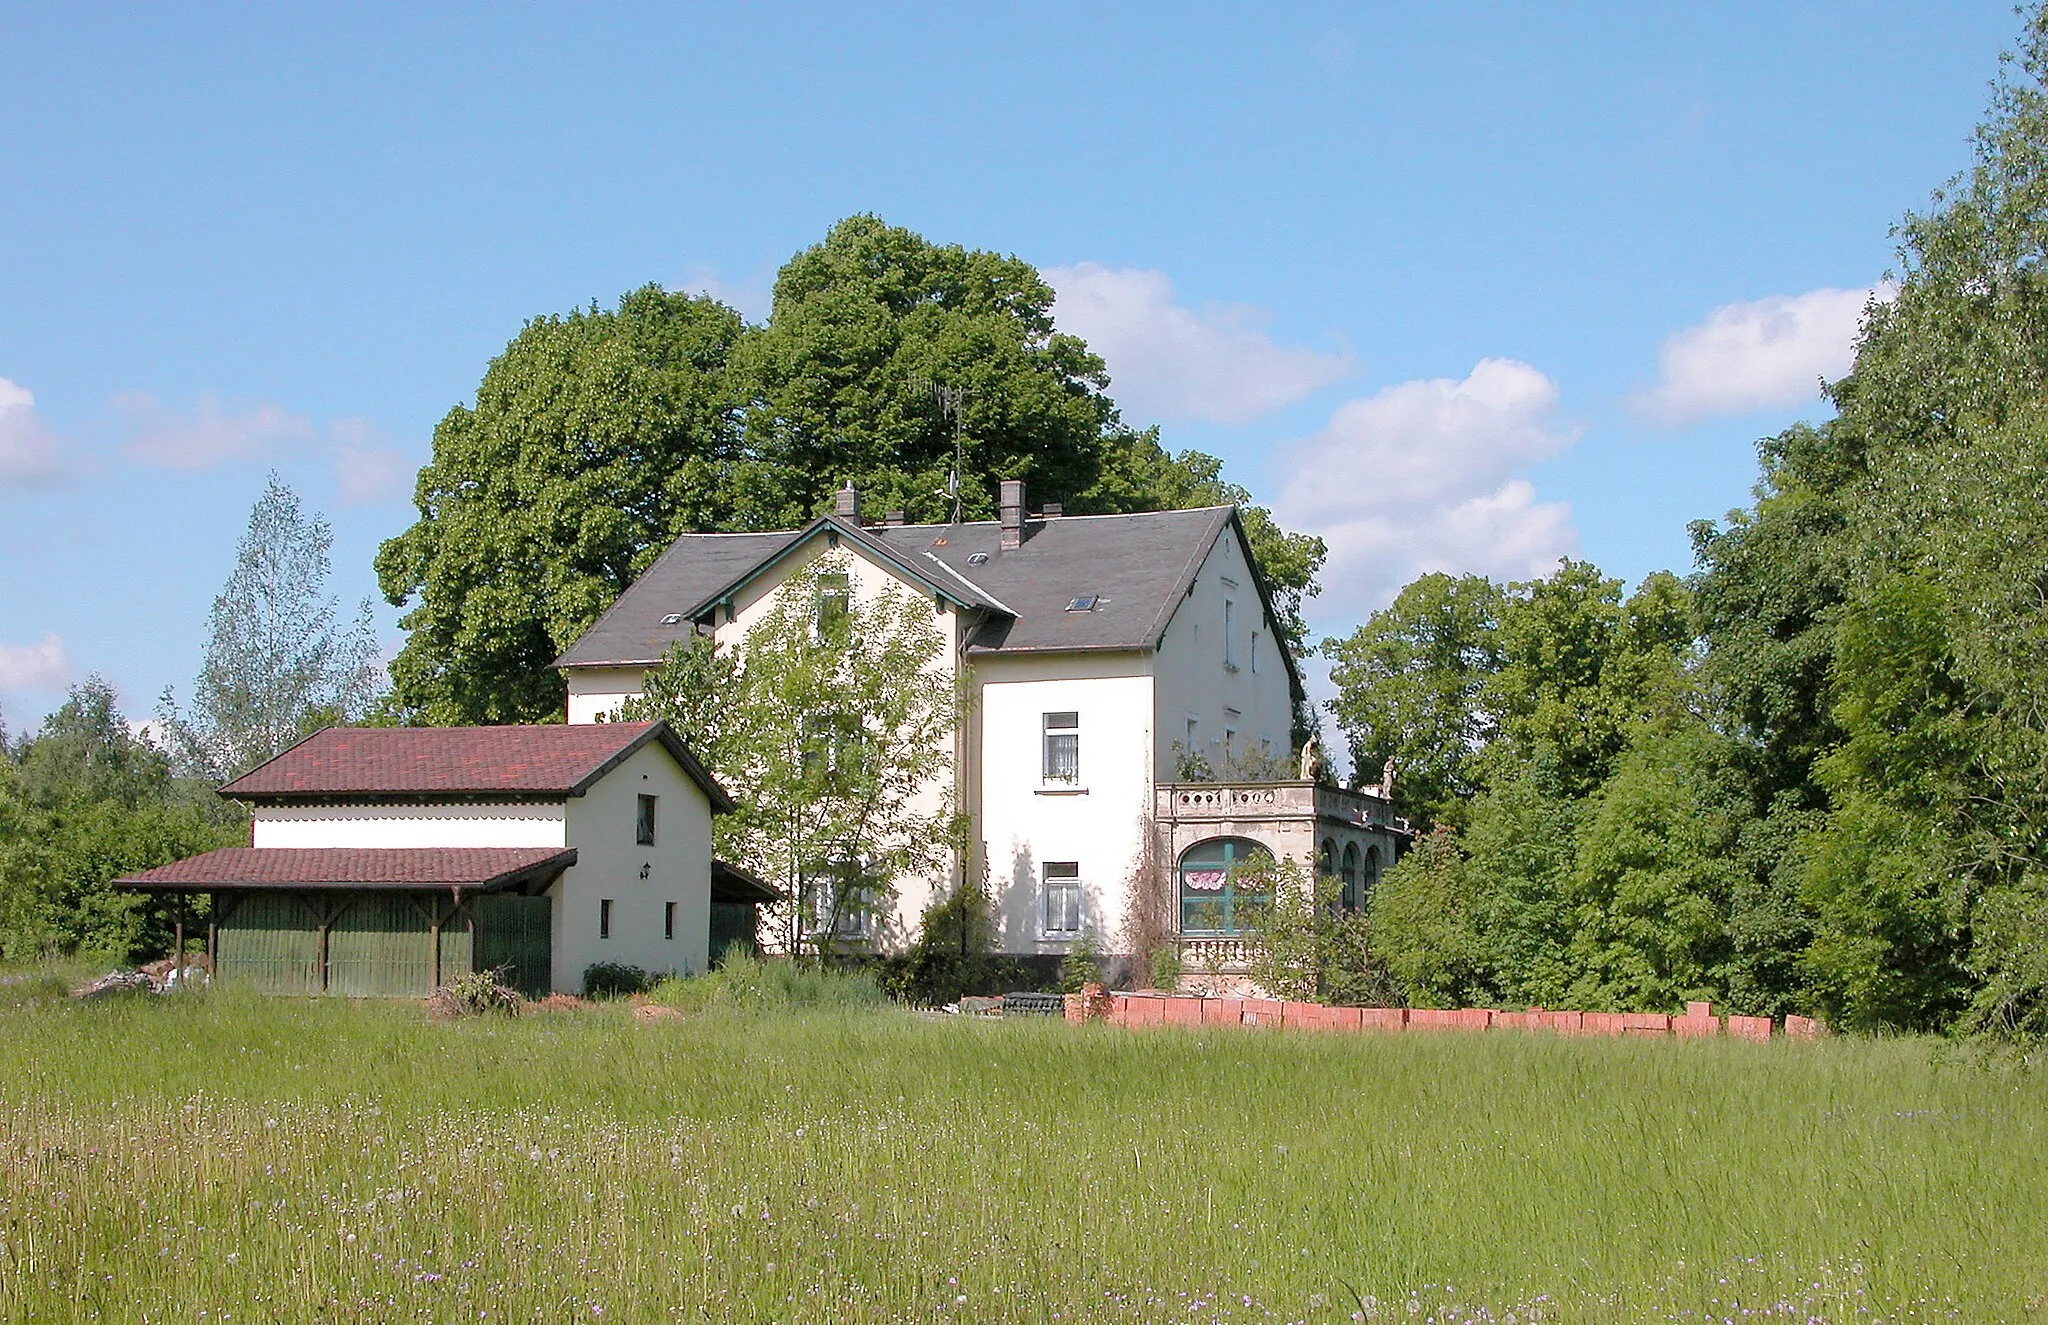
<point x="1063" y="898"/>
<point x="1062" y="747"/>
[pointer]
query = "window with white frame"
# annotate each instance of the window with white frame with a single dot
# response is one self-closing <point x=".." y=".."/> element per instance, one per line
<point x="643" y="822"/>
<point x="1063" y="906"/>
<point x="834" y="596"/>
<point x="839" y="912"/>
<point x="1230" y="634"/>
<point x="1062" y="747"/>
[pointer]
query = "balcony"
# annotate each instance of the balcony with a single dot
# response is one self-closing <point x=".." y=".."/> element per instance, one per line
<point x="1186" y="801"/>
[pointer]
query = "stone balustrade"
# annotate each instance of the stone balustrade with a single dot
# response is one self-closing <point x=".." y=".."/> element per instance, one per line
<point x="1215" y="956"/>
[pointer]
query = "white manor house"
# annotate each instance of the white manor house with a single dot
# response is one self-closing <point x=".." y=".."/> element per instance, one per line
<point x="1103" y="656"/>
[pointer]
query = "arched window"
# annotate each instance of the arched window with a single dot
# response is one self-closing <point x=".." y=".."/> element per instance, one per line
<point x="1326" y="860"/>
<point x="1371" y="878"/>
<point x="1349" y="874"/>
<point x="1210" y="902"/>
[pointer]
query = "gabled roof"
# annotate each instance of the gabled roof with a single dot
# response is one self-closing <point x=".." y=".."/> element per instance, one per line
<point x="1137" y="567"/>
<point x="379" y="869"/>
<point x="699" y="571"/>
<point x="355" y="763"/>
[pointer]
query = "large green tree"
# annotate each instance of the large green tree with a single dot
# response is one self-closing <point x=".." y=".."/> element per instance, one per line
<point x="1410" y="688"/>
<point x="594" y="438"/>
<point x="597" y="437"/>
<point x="1933" y="867"/>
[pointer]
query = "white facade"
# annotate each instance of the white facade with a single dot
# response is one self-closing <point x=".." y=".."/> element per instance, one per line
<point x="1217" y="671"/>
<point x="595" y="693"/>
<point x="452" y="825"/>
<point x="610" y="865"/>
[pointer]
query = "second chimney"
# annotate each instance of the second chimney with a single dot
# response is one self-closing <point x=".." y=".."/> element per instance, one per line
<point x="846" y="502"/>
<point x="1013" y="513"/>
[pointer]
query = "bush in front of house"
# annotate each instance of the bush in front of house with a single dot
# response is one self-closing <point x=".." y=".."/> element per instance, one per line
<point x="614" y="980"/>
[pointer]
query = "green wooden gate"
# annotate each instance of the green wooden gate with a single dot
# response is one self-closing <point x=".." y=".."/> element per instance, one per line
<point x="379" y="947"/>
<point x="735" y="927"/>
<point x="270" y="942"/>
<point x="514" y="933"/>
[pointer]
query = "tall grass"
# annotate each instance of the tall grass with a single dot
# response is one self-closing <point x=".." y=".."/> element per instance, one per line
<point x="265" y="1160"/>
<point x="748" y="984"/>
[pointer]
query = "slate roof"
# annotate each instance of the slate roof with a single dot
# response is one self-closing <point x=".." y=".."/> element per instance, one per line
<point x="1138" y="567"/>
<point x="381" y="869"/>
<point x="420" y="762"/>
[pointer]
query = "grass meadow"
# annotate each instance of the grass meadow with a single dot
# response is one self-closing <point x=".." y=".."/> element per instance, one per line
<point x="225" y="1157"/>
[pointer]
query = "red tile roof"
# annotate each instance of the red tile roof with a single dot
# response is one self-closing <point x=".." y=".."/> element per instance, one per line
<point x="428" y="761"/>
<point x="376" y="868"/>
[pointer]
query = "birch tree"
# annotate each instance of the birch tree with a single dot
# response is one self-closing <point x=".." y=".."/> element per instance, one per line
<point x="279" y="662"/>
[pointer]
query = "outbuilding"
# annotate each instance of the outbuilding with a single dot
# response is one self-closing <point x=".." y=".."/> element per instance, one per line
<point x="384" y="861"/>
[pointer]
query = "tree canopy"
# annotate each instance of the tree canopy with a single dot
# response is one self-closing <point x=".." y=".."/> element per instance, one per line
<point x="597" y="437"/>
<point x="82" y="801"/>
<point x="1814" y="776"/>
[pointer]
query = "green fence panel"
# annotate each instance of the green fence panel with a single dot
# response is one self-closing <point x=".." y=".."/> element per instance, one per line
<point x="379" y="948"/>
<point x="454" y="948"/>
<point x="515" y="934"/>
<point x="270" y="942"/>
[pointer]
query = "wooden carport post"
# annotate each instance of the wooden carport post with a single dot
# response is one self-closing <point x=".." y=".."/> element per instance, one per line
<point x="178" y="941"/>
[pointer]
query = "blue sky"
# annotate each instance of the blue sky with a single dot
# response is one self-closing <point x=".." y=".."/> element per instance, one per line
<point x="1460" y="286"/>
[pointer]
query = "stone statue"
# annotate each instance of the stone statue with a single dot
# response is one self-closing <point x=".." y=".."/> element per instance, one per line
<point x="1311" y="761"/>
<point x="1387" y="778"/>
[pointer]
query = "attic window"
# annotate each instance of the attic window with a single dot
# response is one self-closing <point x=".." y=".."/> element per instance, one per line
<point x="1085" y="603"/>
<point x="672" y="619"/>
<point x="977" y="558"/>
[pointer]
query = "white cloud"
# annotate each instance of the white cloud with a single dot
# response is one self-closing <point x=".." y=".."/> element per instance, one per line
<point x="212" y="432"/>
<point x="753" y="299"/>
<point x="1764" y="354"/>
<point x="40" y="666"/>
<point x="28" y="451"/>
<point x="1168" y="361"/>
<point x="364" y="470"/>
<point x="1425" y="476"/>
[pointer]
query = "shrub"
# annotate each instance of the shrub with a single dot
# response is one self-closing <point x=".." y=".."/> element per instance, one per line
<point x="1162" y="964"/>
<point x="613" y="980"/>
<point x="1082" y="965"/>
<point x="473" y="995"/>
<point x="954" y="954"/>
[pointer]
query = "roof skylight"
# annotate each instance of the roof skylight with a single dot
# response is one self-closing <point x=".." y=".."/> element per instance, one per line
<point x="1085" y="603"/>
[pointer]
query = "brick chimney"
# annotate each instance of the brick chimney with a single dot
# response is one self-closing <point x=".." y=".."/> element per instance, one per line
<point x="892" y="519"/>
<point x="1053" y="510"/>
<point x="846" y="502"/>
<point x="1013" y="513"/>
